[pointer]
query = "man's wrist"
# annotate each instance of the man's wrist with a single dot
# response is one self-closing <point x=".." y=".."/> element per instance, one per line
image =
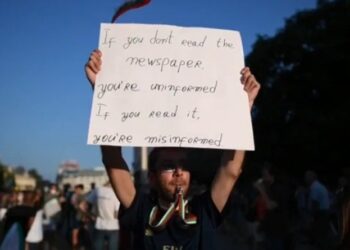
<point x="112" y="157"/>
<point x="251" y="104"/>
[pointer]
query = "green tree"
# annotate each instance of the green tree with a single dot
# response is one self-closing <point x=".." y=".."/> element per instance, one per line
<point x="19" y="170"/>
<point x="302" y="113"/>
<point x="34" y="173"/>
<point x="2" y="175"/>
<point x="7" y="180"/>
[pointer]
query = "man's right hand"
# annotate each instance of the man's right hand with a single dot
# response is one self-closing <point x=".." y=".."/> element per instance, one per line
<point x="93" y="66"/>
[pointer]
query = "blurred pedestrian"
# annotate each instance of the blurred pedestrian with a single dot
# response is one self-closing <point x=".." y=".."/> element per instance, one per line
<point x="106" y="224"/>
<point x="76" y="214"/>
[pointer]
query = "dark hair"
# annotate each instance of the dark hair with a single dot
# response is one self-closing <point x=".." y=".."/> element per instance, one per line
<point x="80" y="186"/>
<point x="154" y="155"/>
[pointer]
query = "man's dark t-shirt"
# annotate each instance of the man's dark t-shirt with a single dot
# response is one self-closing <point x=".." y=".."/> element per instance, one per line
<point x="176" y="235"/>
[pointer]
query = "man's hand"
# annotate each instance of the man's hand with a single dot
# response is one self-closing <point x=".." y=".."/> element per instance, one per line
<point x="251" y="85"/>
<point x="93" y="66"/>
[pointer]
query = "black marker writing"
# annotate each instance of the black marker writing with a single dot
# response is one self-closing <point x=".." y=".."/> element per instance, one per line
<point x="129" y="115"/>
<point x="156" y="39"/>
<point x="163" y="114"/>
<point x="193" y="114"/>
<point x="100" y="111"/>
<point x="192" y="43"/>
<point x="164" y="62"/>
<point x="112" y="138"/>
<point x="177" y="88"/>
<point x="108" y="40"/>
<point x="222" y="43"/>
<point x="181" y="140"/>
<point x="114" y="87"/>
<point x="132" y="40"/>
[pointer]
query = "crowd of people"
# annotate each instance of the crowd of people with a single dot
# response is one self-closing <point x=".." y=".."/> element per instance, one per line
<point x="272" y="212"/>
<point x="59" y="219"/>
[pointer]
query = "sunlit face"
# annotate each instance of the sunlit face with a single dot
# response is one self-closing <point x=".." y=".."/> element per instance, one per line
<point x="171" y="173"/>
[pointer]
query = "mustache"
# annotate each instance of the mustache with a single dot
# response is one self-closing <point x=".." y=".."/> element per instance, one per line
<point x="178" y="182"/>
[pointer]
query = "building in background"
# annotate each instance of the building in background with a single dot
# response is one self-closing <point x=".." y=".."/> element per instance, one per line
<point x="24" y="182"/>
<point x="69" y="173"/>
<point x="68" y="166"/>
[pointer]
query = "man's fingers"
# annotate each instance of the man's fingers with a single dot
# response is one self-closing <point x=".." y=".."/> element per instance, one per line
<point x="95" y="56"/>
<point x="248" y="80"/>
<point x="245" y="70"/>
<point x="95" y="61"/>
<point x="94" y="64"/>
<point x="251" y="83"/>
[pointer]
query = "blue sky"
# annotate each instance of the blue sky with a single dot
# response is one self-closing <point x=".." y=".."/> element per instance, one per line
<point x="45" y="99"/>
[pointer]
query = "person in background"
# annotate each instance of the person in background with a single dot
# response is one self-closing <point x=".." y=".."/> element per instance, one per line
<point x="35" y="236"/>
<point x="77" y="214"/>
<point x="24" y="215"/>
<point x="318" y="208"/>
<point x="106" y="224"/>
<point x="318" y="200"/>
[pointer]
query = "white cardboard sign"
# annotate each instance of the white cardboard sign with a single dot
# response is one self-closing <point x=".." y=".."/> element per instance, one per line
<point x="163" y="85"/>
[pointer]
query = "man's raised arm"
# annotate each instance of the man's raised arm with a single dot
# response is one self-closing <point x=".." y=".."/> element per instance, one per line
<point x="112" y="158"/>
<point x="232" y="161"/>
<point x="119" y="174"/>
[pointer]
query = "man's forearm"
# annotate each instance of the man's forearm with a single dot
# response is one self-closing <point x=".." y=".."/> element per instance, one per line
<point x="119" y="174"/>
<point x="112" y="157"/>
<point x="232" y="162"/>
<point x="226" y="178"/>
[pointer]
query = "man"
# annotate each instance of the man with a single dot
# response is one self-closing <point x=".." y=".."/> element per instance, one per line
<point x="318" y="193"/>
<point x="318" y="208"/>
<point x="76" y="201"/>
<point x="167" y="219"/>
<point x="106" y="225"/>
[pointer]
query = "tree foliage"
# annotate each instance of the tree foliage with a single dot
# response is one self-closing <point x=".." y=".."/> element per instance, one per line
<point x="7" y="181"/>
<point x="2" y="176"/>
<point x="38" y="178"/>
<point x="303" y="108"/>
